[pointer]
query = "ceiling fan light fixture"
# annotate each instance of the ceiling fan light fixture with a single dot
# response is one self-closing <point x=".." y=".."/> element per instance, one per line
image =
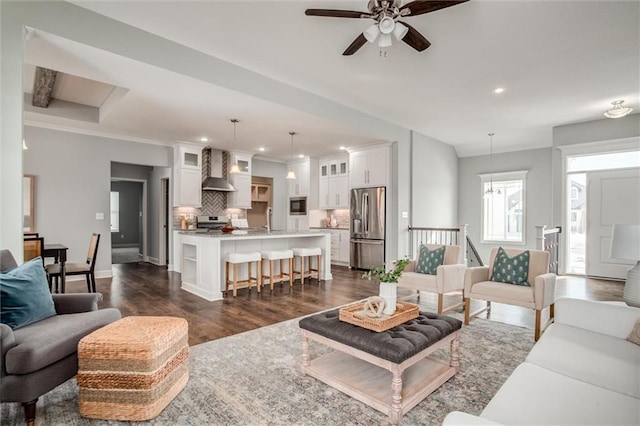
<point x="371" y="33"/>
<point x="386" y="25"/>
<point x="385" y="40"/>
<point x="618" y="110"/>
<point x="400" y="31"/>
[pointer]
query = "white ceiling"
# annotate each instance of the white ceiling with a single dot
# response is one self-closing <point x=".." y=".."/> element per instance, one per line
<point x="559" y="61"/>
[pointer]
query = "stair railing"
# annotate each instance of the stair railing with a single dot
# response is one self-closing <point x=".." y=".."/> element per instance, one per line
<point x="549" y="240"/>
<point x="450" y="236"/>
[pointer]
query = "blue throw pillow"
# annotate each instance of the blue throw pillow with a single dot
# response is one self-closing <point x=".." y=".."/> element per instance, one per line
<point x="24" y="295"/>
<point x="511" y="270"/>
<point x="429" y="260"/>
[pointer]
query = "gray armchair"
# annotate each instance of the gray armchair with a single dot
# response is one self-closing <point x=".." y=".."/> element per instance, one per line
<point x="38" y="357"/>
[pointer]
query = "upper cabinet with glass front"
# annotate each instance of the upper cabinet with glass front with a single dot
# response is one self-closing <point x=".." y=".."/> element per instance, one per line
<point x="190" y="157"/>
<point x="187" y="176"/>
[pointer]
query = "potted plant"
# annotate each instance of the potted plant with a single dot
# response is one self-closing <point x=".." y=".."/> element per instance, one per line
<point x="388" y="280"/>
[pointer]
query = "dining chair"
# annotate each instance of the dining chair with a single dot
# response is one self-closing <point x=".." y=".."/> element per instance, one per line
<point x="78" y="268"/>
<point x="33" y="247"/>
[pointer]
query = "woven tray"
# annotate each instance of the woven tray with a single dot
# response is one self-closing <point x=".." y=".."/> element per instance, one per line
<point x="354" y="314"/>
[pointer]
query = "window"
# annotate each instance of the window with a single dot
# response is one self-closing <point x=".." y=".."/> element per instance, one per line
<point x="503" y="207"/>
<point x="574" y="193"/>
<point x="115" y="211"/>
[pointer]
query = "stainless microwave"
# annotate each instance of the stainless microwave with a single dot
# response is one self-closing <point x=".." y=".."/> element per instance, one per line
<point x="298" y="205"/>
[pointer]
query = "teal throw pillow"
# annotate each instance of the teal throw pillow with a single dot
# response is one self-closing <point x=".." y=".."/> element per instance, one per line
<point x="511" y="270"/>
<point x="429" y="260"/>
<point x="24" y="295"/>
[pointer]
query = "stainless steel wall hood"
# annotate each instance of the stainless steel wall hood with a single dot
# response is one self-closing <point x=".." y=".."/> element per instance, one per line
<point x="215" y="182"/>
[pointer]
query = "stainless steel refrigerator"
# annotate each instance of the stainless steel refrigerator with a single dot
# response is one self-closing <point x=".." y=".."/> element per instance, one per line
<point x="368" y="210"/>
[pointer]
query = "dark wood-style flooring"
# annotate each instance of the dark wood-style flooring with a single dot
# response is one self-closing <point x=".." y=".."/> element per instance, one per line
<point x="145" y="289"/>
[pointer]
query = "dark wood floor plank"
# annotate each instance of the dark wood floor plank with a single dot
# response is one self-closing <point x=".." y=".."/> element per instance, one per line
<point x="144" y="289"/>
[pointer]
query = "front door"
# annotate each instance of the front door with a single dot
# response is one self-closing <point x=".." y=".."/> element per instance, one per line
<point x="612" y="198"/>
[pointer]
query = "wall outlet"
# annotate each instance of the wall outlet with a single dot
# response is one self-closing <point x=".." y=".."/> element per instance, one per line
<point x="99" y="216"/>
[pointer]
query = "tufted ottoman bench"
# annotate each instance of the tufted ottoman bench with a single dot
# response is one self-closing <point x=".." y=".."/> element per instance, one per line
<point x="390" y="371"/>
<point x="132" y="368"/>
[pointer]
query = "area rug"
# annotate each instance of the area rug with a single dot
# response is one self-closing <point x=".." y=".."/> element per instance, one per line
<point x="254" y="378"/>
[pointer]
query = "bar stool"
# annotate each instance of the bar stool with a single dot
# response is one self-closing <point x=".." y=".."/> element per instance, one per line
<point x="308" y="252"/>
<point x="272" y="256"/>
<point x="236" y="259"/>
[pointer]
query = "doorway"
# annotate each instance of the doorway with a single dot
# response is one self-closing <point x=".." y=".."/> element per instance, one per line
<point x="602" y="190"/>
<point x="128" y="223"/>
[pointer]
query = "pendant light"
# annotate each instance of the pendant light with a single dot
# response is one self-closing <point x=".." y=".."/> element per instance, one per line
<point x="490" y="191"/>
<point x="24" y="145"/>
<point x="234" y="166"/>
<point x="291" y="174"/>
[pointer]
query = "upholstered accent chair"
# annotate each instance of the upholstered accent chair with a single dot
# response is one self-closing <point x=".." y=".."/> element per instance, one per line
<point x="538" y="294"/>
<point x="449" y="276"/>
<point x="38" y="357"/>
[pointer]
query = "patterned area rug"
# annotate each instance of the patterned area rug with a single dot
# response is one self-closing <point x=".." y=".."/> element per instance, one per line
<point x="254" y="378"/>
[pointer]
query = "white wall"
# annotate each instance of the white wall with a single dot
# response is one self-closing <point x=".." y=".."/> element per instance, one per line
<point x="538" y="192"/>
<point x="280" y="188"/>
<point x="73" y="181"/>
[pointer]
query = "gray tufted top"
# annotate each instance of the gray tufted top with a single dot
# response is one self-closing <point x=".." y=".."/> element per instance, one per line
<point x="396" y="344"/>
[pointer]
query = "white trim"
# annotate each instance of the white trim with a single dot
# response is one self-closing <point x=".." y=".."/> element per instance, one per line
<point x="102" y="134"/>
<point x="154" y="261"/>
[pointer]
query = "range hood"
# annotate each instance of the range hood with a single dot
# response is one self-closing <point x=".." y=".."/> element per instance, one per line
<point x="215" y="182"/>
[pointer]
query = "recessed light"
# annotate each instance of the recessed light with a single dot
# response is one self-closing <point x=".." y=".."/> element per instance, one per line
<point x="342" y="148"/>
<point x="498" y="90"/>
<point x="262" y="149"/>
<point x="204" y="139"/>
<point x="300" y="155"/>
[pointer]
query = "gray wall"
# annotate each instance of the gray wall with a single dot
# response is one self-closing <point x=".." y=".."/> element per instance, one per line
<point x="280" y="188"/>
<point x="434" y="183"/>
<point x="538" y="192"/>
<point x="73" y="184"/>
<point x="130" y="221"/>
<point x="154" y="201"/>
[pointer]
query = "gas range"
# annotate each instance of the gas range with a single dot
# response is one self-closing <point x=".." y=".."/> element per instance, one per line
<point x="210" y="223"/>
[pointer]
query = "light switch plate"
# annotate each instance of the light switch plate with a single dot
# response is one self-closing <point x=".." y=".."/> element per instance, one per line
<point x="99" y="216"/>
<point x="405" y="215"/>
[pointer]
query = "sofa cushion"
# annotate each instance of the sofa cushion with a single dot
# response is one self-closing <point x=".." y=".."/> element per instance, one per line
<point x="511" y="269"/>
<point x="498" y="292"/>
<point x="590" y="357"/>
<point x="47" y="341"/>
<point x="634" y="336"/>
<point x="533" y="395"/>
<point x="429" y="260"/>
<point x="24" y="295"/>
<point x="416" y="281"/>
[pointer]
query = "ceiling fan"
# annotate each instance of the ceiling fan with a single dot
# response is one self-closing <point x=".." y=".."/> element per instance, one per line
<point x="386" y="14"/>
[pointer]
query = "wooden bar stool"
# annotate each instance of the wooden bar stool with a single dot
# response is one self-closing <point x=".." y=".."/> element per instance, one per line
<point x="236" y="259"/>
<point x="304" y="253"/>
<point x="272" y="256"/>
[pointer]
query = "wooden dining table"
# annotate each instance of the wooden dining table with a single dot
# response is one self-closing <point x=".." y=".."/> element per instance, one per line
<point x="59" y="253"/>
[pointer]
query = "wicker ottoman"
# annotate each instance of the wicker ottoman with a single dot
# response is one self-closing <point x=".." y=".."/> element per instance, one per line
<point x="132" y="368"/>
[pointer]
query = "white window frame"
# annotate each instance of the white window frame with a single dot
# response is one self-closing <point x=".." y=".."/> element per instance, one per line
<point x="520" y="175"/>
<point x="114" y="216"/>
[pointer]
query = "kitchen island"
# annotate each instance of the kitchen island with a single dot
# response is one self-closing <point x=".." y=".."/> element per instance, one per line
<point x="199" y="255"/>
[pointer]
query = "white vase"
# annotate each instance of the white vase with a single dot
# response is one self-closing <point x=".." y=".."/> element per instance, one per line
<point x="389" y="292"/>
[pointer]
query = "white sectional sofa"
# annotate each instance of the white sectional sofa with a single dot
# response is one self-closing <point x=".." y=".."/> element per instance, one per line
<point x="582" y="371"/>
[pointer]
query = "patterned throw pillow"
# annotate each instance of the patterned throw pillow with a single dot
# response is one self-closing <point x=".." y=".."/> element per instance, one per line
<point x="511" y="270"/>
<point x="429" y="260"/>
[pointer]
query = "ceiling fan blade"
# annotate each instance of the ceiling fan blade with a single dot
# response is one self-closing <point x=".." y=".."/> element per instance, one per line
<point x="331" y="13"/>
<point x="415" y="39"/>
<point x="420" y="7"/>
<point x="357" y="44"/>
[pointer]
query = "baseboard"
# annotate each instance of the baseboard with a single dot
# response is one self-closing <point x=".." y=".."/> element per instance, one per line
<point x="154" y="261"/>
<point x="125" y="245"/>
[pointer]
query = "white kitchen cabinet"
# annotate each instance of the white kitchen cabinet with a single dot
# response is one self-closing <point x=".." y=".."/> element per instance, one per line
<point x="187" y="176"/>
<point x="242" y="159"/>
<point x="298" y="223"/>
<point x="340" y="247"/>
<point x="370" y="167"/>
<point x="333" y="189"/>
<point x="300" y="185"/>
<point x="241" y="197"/>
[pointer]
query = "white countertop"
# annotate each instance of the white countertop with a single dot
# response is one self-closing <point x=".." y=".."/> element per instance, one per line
<point x="253" y="234"/>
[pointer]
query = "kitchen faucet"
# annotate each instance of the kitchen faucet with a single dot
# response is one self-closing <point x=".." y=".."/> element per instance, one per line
<point x="268" y="214"/>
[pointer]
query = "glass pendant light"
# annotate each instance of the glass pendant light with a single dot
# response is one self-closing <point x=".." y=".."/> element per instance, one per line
<point x="234" y="166"/>
<point x="291" y="174"/>
<point x="490" y="191"/>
